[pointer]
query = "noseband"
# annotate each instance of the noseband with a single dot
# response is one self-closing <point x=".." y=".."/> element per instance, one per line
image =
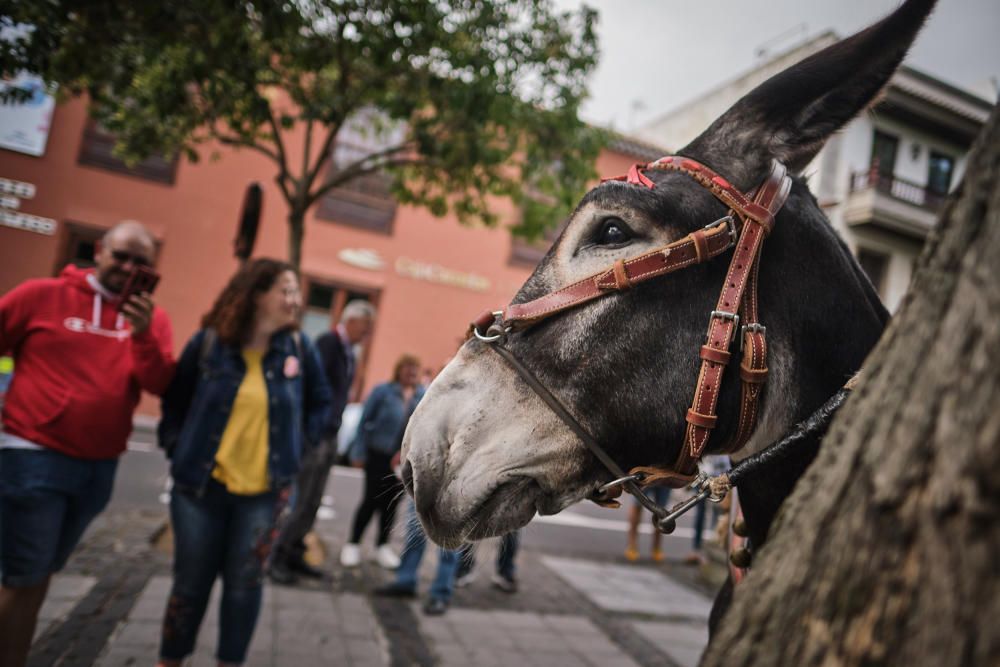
<point x="737" y="301"/>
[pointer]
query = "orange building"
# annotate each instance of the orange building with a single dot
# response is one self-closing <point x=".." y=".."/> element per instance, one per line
<point x="428" y="276"/>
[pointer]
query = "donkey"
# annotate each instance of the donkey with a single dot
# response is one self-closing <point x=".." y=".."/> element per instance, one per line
<point x="483" y="452"/>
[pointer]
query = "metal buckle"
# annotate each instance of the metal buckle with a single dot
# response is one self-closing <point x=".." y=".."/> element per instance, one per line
<point x="725" y="315"/>
<point x="497" y="314"/>
<point x="756" y="327"/>
<point x="730" y="223"/>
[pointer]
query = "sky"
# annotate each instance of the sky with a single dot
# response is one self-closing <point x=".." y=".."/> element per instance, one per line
<point x="658" y="54"/>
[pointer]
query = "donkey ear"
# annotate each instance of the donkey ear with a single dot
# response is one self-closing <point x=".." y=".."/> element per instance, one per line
<point x="790" y="116"/>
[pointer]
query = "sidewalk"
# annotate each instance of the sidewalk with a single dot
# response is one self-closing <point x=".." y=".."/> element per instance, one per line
<point x="105" y="610"/>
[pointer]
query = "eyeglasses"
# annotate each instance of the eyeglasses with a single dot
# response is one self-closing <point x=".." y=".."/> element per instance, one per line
<point x="122" y="257"/>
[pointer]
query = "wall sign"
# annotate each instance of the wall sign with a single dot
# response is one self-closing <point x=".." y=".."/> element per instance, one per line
<point x="434" y="273"/>
<point x="363" y="258"/>
<point x="10" y="192"/>
<point x="17" y="188"/>
<point x="29" y="223"/>
<point x="24" y="127"/>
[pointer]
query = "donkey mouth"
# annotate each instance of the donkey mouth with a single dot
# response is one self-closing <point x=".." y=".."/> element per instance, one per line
<point x="506" y="507"/>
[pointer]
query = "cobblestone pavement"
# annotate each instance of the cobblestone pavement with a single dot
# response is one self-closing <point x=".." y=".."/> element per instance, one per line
<point x="105" y="610"/>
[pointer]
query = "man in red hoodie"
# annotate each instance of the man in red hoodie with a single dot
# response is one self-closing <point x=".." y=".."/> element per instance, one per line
<point x="81" y="362"/>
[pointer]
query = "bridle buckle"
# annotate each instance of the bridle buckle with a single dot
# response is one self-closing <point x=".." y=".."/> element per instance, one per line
<point x="755" y="327"/>
<point x="726" y="315"/>
<point x="730" y="223"/>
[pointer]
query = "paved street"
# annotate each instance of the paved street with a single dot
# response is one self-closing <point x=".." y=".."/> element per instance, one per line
<point x="578" y="603"/>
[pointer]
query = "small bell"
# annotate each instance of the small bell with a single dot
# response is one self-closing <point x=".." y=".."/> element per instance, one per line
<point x="741" y="558"/>
<point x="740" y="527"/>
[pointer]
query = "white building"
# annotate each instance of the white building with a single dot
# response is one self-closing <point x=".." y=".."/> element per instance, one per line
<point x="883" y="178"/>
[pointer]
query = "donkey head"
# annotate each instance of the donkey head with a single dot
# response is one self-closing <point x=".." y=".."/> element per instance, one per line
<point x="483" y="453"/>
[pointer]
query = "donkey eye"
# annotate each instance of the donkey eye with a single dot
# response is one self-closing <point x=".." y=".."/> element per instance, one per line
<point x="613" y="231"/>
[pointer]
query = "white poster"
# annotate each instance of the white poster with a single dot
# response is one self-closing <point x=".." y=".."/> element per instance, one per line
<point x="24" y="127"/>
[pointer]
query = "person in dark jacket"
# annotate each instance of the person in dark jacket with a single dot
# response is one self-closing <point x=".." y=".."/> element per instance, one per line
<point x="375" y="447"/>
<point x="249" y="398"/>
<point x="336" y="349"/>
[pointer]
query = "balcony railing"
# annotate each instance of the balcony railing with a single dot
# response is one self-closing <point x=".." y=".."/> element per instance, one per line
<point x="897" y="188"/>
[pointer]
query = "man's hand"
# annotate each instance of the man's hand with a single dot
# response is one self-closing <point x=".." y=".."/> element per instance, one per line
<point x="138" y="310"/>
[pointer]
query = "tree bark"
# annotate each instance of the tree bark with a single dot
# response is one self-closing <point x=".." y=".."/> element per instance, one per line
<point x="886" y="553"/>
<point x="296" y="231"/>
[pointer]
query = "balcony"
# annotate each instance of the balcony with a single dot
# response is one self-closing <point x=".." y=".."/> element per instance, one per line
<point x="892" y="203"/>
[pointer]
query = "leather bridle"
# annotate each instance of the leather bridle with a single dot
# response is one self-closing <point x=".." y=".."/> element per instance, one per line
<point x="737" y="302"/>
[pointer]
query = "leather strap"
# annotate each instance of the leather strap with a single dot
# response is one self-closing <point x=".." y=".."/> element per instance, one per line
<point x="723" y="326"/>
<point x="624" y="274"/>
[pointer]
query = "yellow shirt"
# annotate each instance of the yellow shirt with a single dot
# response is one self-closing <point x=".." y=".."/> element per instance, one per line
<point x="241" y="462"/>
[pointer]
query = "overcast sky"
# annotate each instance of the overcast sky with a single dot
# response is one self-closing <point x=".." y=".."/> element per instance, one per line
<point x="657" y="54"/>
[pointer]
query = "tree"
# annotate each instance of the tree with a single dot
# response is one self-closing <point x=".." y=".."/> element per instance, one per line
<point x="885" y="554"/>
<point x="469" y="101"/>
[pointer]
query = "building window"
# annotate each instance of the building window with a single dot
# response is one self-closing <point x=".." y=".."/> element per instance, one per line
<point x="365" y="201"/>
<point x="876" y="266"/>
<point x="80" y="246"/>
<point x="884" y="148"/>
<point x="96" y="151"/>
<point x="939" y="174"/>
<point x="323" y="304"/>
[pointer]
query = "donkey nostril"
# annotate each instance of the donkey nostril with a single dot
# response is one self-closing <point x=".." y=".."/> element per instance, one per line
<point x="407" y="475"/>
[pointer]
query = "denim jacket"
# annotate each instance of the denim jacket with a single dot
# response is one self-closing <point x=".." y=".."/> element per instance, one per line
<point x="383" y="420"/>
<point x="197" y="405"/>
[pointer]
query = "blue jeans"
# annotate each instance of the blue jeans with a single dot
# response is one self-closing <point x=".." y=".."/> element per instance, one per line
<point x="506" y="555"/>
<point x="699" y="522"/>
<point x="47" y="500"/>
<point x="218" y="533"/>
<point x="413" y="552"/>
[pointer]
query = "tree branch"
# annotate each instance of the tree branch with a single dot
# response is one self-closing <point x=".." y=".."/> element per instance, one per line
<point x="356" y="171"/>
<point x="284" y="174"/>
<point x="305" y="154"/>
<point x="231" y="140"/>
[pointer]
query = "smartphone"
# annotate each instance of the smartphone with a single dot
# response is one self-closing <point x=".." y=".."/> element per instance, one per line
<point x="143" y="279"/>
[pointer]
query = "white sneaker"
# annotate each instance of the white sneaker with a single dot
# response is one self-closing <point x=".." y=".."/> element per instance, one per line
<point x="386" y="557"/>
<point x="466" y="579"/>
<point x="350" y="555"/>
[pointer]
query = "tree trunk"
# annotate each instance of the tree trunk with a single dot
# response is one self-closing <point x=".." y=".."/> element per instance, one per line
<point x="886" y="553"/>
<point x="296" y="230"/>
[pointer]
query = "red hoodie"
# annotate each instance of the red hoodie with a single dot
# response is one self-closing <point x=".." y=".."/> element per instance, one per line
<point x="78" y="371"/>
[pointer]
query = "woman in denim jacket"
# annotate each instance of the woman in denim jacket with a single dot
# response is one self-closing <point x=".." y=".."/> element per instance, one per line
<point x="375" y="447"/>
<point x="248" y="397"/>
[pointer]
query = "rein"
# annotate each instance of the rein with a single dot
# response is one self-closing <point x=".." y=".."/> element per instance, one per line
<point x="738" y="300"/>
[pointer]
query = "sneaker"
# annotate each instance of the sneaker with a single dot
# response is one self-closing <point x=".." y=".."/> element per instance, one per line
<point x="386" y="557"/>
<point x="281" y="574"/>
<point x="658" y="556"/>
<point x="631" y="554"/>
<point x="300" y="567"/>
<point x="504" y="584"/>
<point x="435" y="606"/>
<point x="350" y="555"/>
<point x="396" y="590"/>
<point x="465" y="578"/>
